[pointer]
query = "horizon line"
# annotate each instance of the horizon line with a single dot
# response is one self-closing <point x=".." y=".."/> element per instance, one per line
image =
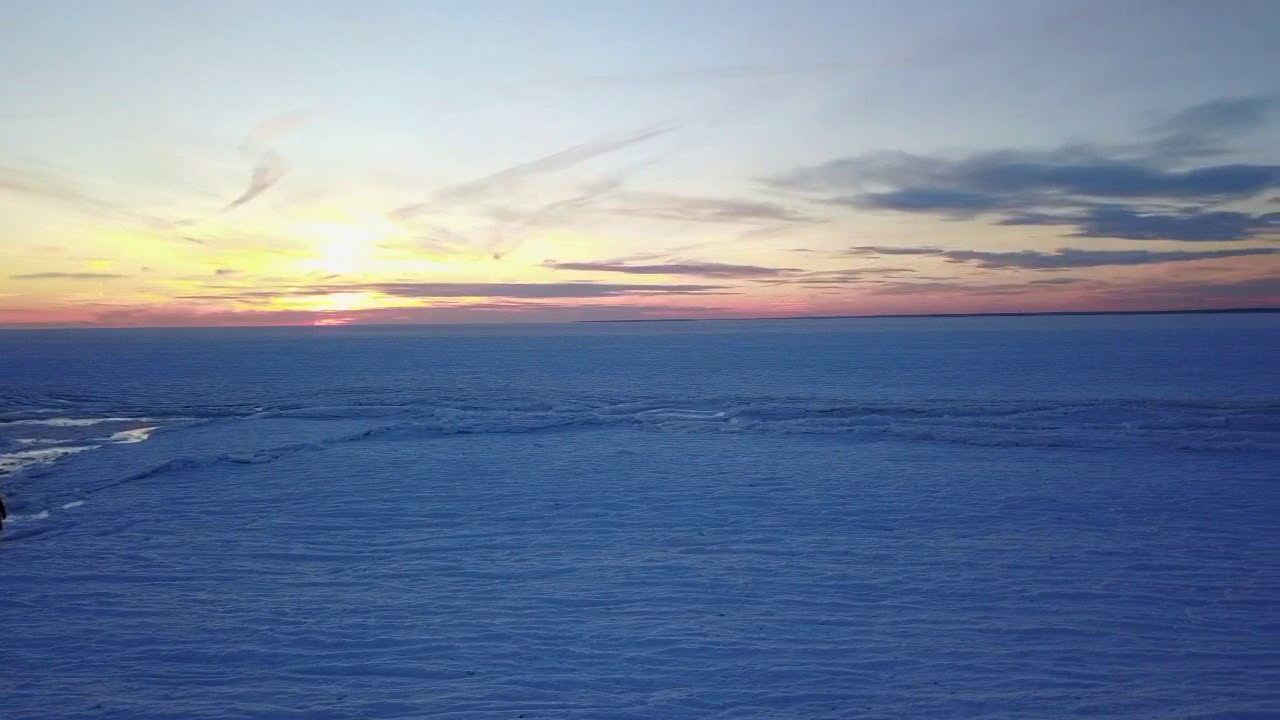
<point x="1034" y="313"/>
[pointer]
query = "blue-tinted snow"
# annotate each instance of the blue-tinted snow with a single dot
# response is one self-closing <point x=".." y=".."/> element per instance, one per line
<point x="962" y="518"/>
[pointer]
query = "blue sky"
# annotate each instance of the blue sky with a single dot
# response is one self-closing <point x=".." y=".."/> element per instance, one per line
<point x="237" y="162"/>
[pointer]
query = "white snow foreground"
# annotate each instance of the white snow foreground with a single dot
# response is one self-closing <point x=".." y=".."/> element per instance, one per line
<point x="647" y="559"/>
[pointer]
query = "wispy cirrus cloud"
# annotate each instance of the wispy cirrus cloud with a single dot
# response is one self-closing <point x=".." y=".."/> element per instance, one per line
<point x="508" y="209"/>
<point x="1063" y="258"/>
<point x="510" y="178"/>
<point x="1218" y="119"/>
<point x="51" y="187"/>
<point x="710" y="74"/>
<point x="268" y="167"/>
<point x="48" y="188"/>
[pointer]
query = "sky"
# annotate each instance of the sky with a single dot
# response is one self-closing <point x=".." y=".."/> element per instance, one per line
<point x="409" y="161"/>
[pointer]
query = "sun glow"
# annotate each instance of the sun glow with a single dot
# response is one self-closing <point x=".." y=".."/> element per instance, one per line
<point x="348" y="301"/>
<point x="345" y="247"/>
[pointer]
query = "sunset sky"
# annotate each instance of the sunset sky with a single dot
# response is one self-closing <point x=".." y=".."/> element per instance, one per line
<point x="281" y="162"/>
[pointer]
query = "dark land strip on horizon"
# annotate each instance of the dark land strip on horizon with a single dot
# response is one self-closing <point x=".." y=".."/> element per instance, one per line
<point x="1217" y="311"/>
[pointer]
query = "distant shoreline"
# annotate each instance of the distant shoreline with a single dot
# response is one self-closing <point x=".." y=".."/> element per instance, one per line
<point x="1221" y="311"/>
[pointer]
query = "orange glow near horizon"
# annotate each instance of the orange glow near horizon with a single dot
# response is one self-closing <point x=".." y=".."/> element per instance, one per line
<point x="331" y="321"/>
<point x="240" y="300"/>
<point x="337" y="263"/>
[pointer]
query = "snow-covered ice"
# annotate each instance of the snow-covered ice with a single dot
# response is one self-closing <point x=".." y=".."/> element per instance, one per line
<point x="966" y="518"/>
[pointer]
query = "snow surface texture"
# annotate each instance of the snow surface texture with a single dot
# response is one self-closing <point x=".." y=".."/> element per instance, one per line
<point x="951" y="518"/>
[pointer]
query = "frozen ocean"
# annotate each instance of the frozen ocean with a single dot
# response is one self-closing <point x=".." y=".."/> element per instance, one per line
<point x="988" y="517"/>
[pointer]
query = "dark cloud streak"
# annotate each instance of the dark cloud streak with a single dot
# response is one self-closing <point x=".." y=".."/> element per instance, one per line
<point x="1120" y="221"/>
<point x="701" y="269"/>
<point x="1063" y="258"/>
<point x="686" y="208"/>
<point x="68" y="276"/>
<point x="1142" y="191"/>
